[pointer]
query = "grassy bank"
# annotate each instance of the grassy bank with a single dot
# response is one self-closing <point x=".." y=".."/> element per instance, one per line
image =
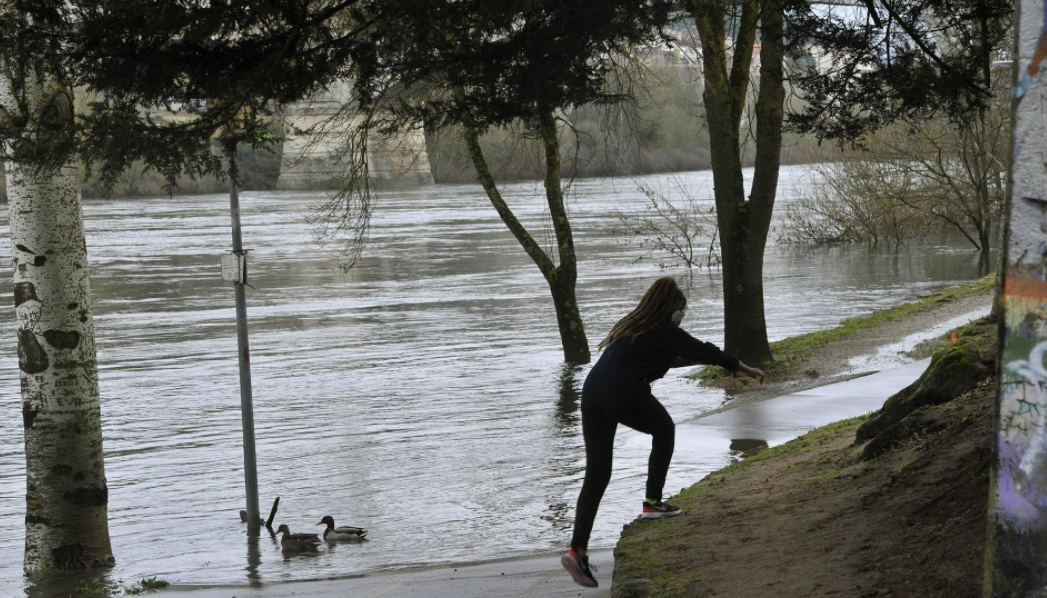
<point x="794" y="356"/>
<point x="901" y="513"/>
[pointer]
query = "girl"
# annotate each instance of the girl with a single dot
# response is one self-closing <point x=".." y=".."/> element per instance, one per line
<point x="641" y="348"/>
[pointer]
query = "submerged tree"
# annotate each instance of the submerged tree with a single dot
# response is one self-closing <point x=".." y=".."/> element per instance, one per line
<point x="743" y="222"/>
<point x="486" y="63"/>
<point x="855" y="199"/>
<point x="66" y="493"/>
<point x="917" y="62"/>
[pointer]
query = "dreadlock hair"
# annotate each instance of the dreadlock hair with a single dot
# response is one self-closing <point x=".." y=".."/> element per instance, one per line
<point x="655" y="308"/>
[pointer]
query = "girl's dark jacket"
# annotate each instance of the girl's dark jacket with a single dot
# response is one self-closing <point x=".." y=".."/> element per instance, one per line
<point x="622" y="377"/>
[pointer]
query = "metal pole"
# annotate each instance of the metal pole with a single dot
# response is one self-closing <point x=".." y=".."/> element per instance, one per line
<point x="246" y="401"/>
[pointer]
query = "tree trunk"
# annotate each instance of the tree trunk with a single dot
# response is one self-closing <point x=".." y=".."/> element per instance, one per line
<point x="985" y="264"/>
<point x="1002" y="240"/>
<point x="66" y="493"/>
<point x="3" y="183"/>
<point x="561" y="278"/>
<point x="743" y="224"/>
<point x="745" y="330"/>
<point x="569" y="320"/>
<point x="562" y="282"/>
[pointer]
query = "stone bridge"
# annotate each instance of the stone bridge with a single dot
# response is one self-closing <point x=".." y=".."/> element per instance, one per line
<point x="313" y="160"/>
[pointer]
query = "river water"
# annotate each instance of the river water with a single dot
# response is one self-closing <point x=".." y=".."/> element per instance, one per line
<point x="422" y="396"/>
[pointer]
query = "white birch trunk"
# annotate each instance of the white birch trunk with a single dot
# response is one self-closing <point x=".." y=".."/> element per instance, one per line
<point x="66" y="494"/>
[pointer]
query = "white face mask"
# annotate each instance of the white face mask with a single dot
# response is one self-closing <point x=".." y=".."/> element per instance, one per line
<point x="677" y="316"/>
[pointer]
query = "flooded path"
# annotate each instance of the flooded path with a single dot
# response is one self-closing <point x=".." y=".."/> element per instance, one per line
<point x="779" y="420"/>
<point x="422" y="396"/>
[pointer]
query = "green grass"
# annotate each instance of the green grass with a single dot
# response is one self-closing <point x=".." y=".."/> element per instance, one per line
<point x="797" y="348"/>
<point x="820" y="479"/>
<point x="976" y="334"/>
<point x="149" y="584"/>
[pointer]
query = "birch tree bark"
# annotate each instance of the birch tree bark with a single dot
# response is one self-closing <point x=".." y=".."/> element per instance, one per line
<point x="66" y="493"/>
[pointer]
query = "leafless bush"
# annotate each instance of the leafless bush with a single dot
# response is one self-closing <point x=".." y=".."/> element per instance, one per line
<point x="857" y="199"/>
<point x="907" y="178"/>
<point x="673" y="227"/>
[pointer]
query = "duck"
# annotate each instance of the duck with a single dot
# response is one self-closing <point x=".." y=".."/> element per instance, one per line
<point x="297" y="542"/>
<point x="337" y="534"/>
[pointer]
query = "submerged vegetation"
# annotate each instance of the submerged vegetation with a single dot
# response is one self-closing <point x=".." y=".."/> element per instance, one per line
<point x="107" y="589"/>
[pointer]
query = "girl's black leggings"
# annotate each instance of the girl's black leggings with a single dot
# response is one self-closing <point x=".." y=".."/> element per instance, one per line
<point x="598" y="428"/>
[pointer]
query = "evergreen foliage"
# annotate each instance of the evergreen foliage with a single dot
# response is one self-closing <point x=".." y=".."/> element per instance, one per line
<point x="487" y="63"/>
<point x="901" y="59"/>
<point x="228" y="64"/>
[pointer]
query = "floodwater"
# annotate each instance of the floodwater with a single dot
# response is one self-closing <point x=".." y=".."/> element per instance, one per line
<point x="422" y="396"/>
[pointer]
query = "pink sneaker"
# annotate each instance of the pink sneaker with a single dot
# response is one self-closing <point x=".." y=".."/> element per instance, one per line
<point x="579" y="568"/>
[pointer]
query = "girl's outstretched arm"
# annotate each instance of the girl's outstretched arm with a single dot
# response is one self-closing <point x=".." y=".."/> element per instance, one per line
<point x="756" y="373"/>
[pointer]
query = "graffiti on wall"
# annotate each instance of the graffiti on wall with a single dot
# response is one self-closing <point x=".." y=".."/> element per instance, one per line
<point x="1017" y="555"/>
<point x="1021" y="492"/>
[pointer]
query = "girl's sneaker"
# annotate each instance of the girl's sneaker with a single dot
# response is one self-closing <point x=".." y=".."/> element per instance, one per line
<point x="658" y="510"/>
<point x="579" y="568"/>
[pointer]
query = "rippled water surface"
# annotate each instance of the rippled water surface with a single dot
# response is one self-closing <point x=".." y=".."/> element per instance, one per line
<point x="422" y="396"/>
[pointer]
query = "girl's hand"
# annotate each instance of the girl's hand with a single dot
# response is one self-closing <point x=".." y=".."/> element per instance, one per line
<point x="756" y="373"/>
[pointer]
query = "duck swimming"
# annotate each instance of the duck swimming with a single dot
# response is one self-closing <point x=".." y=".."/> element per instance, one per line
<point x="297" y="542"/>
<point x="338" y="534"/>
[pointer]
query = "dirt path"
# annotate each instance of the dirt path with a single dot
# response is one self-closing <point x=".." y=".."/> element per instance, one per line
<point x="816" y="364"/>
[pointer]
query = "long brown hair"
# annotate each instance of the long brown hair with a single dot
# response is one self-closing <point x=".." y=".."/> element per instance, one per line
<point x="655" y="308"/>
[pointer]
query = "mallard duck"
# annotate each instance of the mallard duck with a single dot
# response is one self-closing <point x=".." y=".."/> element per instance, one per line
<point x="297" y="542"/>
<point x="346" y="532"/>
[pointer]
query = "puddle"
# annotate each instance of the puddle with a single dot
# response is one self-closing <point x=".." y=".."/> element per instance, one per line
<point x="747" y="447"/>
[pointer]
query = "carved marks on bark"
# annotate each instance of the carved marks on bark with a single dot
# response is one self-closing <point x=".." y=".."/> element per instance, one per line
<point x="32" y="358"/>
<point x="65" y="388"/>
<point x="62" y="339"/>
